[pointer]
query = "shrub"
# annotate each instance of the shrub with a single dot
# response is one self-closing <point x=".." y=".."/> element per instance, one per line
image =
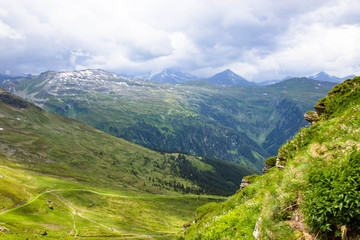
<point x="271" y="161"/>
<point x="250" y="178"/>
<point x="333" y="197"/>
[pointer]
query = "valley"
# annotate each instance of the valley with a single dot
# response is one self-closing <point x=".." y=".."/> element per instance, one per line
<point x="242" y="124"/>
<point x="65" y="178"/>
<point x="70" y="210"/>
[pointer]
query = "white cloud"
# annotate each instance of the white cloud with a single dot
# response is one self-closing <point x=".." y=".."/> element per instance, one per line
<point x="323" y="39"/>
<point x="258" y="39"/>
<point x="319" y="41"/>
<point x="77" y="54"/>
<point x="7" y="32"/>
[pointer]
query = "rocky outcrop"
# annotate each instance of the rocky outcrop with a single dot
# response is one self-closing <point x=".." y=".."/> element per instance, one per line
<point x="244" y="183"/>
<point x="269" y="163"/>
<point x="280" y="163"/>
<point x="319" y="109"/>
<point x="312" y="117"/>
<point x="247" y="180"/>
<point x="266" y="168"/>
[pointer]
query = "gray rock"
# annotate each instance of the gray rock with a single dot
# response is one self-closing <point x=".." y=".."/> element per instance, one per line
<point x="244" y="183"/>
<point x="266" y="168"/>
<point x="312" y="117"/>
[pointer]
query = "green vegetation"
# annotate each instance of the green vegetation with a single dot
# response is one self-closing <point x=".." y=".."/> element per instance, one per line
<point x="57" y="145"/>
<point x="33" y="203"/>
<point x="64" y="177"/>
<point x="333" y="197"/>
<point x="313" y="192"/>
<point x="240" y="124"/>
<point x="250" y="178"/>
<point x="271" y="161"/>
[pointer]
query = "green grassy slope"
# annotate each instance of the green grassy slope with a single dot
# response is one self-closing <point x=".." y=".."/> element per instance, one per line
<point x="312" y="193"/>
<point x="240" y="124"/>
<point x="33" y="203"/>
<point x="54" y="144"/>
<point x="63" y="176"/>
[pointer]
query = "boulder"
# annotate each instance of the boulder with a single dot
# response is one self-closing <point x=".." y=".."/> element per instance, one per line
<point x="312" y="117"/>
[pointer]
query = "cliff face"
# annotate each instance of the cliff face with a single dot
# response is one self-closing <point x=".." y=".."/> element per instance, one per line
<point x="313" y="192"/>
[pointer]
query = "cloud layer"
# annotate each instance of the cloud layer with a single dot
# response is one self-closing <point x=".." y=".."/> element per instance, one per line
<point x="257" y="39"/>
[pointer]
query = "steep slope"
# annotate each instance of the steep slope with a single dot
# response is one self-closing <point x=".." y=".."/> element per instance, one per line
<point x="228" y="77"/>
<point x="312" y="189"/>
<point x="200" y="119"/>
<point x="291" y="110"/>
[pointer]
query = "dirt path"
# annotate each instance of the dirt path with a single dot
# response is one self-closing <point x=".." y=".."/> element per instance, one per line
<point x="80" y="212"/>
<point x="73" y="212"/>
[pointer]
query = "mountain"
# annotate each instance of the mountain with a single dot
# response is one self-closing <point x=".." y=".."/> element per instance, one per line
<point x="228" y="77"/>
<point x="125" y="75"/>
<point x="64" y="179"/>
<point x="268" y="82"/>
<point x="5" y="78"/>
<point x="172" y="76"/>
<point x="322" y="76"/>
<point x="2" y="76"/>
<point x="200" y="119"/>
<point x="309" y="191"/>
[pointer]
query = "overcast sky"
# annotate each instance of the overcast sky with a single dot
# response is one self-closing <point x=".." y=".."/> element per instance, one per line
<point x="257" y="39"/>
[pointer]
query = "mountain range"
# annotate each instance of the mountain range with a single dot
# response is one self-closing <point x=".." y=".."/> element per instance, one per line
<point x="226" y="77"/>
<point x="322" y="76"/>
<point x="197" y="118"/>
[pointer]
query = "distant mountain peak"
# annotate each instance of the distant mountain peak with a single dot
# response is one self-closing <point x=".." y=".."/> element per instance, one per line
<point x="172" y="76"/>
<point x="323" y="76"/>
<point x="228" y="71"/>
<point x="228" y="77"/>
